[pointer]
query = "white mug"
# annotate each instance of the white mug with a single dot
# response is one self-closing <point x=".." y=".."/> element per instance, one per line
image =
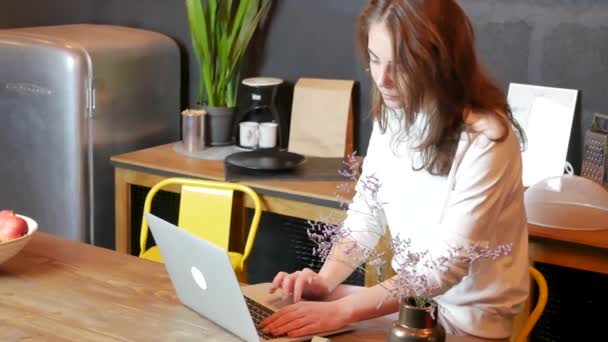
<point x="268" y="134"/>
<point x="248" y="134"/>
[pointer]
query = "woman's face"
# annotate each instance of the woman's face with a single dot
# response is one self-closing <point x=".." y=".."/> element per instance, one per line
<point x="380" y="48"/>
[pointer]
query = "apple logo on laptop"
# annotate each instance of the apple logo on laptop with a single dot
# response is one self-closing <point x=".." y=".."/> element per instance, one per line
<point x="198" y="277"/>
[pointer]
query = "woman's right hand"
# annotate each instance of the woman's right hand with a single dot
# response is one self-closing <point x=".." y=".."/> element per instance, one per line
<point x="301" y="284"/>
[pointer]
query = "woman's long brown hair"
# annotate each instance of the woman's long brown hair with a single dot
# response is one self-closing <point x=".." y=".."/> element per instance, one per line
<point x="436" y="71"/>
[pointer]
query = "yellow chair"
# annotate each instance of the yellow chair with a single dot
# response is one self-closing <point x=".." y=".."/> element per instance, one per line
<point x="206" y="211"/>
<point x="543" y="294"/>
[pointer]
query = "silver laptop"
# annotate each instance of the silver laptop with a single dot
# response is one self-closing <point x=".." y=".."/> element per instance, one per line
<point x="204" y="281"/>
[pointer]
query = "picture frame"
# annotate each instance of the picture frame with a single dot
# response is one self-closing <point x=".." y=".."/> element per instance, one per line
<point x="546" y="115"/>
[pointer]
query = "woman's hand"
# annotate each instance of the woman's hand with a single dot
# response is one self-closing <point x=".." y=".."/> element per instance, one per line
<point x="301" y="284"/>
<point x="306" y="318"/>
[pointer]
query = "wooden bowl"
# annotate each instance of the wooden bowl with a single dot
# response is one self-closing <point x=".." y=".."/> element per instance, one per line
<point x="10" y="248"/>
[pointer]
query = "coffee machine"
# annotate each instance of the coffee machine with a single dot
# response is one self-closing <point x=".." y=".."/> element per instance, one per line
<point x="262" y="106"/>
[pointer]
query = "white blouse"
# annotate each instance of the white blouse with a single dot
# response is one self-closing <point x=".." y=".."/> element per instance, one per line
<point x="480" y="201"/>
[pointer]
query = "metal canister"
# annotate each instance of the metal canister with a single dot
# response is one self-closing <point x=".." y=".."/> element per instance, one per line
<point x="193" y="129"/>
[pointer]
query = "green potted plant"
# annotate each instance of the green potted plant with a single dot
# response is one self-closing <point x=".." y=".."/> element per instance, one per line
<point x="221" y="31"/>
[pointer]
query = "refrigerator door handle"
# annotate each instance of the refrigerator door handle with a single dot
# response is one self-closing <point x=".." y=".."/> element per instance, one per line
<point x="90" y="101"/>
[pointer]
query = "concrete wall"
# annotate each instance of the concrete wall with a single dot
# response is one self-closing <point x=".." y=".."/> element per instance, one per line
<point x="559" y="43"/>
<point x="556" y="43"/>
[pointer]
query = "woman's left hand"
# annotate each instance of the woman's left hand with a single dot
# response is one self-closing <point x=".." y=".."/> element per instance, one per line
<point x="306" y="318"/>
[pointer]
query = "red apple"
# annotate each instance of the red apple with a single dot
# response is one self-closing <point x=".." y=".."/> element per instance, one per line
<point x="5" y="213"/>
<point x="12" y="227"/>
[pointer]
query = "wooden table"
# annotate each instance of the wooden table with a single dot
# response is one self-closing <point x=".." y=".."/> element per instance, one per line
<point x="584" y="250"/>
<point x="61" y="290"/>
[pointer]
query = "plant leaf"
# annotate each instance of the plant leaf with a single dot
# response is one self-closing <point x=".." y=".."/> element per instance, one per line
<point x="220" y="32"/>
<point x="240" y="49"/>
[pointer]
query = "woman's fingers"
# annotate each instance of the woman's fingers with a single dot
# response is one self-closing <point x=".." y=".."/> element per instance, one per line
<point x="304" y="280"/>
<point x="288" y="284"/>
<point x="277" y="318"/>
<point x="304" y="318"/>
<point x="277" y="282"/>
<point x="294" y="324"/>
<point x="299" y="287"/>
<point x="305" y="330"/>
<point x="323" y="316"/>
<point x="295" y="284"/>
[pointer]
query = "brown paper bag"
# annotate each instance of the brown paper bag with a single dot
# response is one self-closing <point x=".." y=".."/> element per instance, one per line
<point x="322" y="118"/>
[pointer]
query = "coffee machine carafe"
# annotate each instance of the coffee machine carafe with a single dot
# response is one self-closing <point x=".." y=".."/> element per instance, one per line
<point x="262" y="107"/>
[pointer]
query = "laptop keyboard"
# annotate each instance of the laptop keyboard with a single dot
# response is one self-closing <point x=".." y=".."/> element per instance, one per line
<point x="259" y="313"/>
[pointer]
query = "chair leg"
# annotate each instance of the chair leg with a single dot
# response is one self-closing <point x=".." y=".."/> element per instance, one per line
<point x="238" y="224"/>
<point x="520" y="320"/>
<point x="242" y="277"/>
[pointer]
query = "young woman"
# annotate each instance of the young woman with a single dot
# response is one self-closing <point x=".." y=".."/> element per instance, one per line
<point x="445" y="148"/>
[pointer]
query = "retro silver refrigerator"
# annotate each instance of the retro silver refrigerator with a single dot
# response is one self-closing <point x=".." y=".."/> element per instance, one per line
<point x="71" y="96"/>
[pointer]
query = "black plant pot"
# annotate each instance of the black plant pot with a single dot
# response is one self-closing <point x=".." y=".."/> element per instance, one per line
<point x="218" y="125"/>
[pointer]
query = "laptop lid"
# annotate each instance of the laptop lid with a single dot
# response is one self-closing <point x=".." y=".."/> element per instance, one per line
<point x="203" y="278"/>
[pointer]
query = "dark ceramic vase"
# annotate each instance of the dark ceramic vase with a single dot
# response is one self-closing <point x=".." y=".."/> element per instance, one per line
<point x="416" y="324"/>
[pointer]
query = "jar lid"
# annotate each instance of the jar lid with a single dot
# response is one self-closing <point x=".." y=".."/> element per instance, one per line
<point x="194" y="112"/>
<point x="262" y="81"/>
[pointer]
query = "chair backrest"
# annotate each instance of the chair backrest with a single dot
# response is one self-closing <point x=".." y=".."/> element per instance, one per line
<point x="543" y="295"/>
<point x="206" y="211"/>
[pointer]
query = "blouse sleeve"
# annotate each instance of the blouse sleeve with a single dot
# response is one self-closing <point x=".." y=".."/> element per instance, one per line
<point x="488" y="173"/>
